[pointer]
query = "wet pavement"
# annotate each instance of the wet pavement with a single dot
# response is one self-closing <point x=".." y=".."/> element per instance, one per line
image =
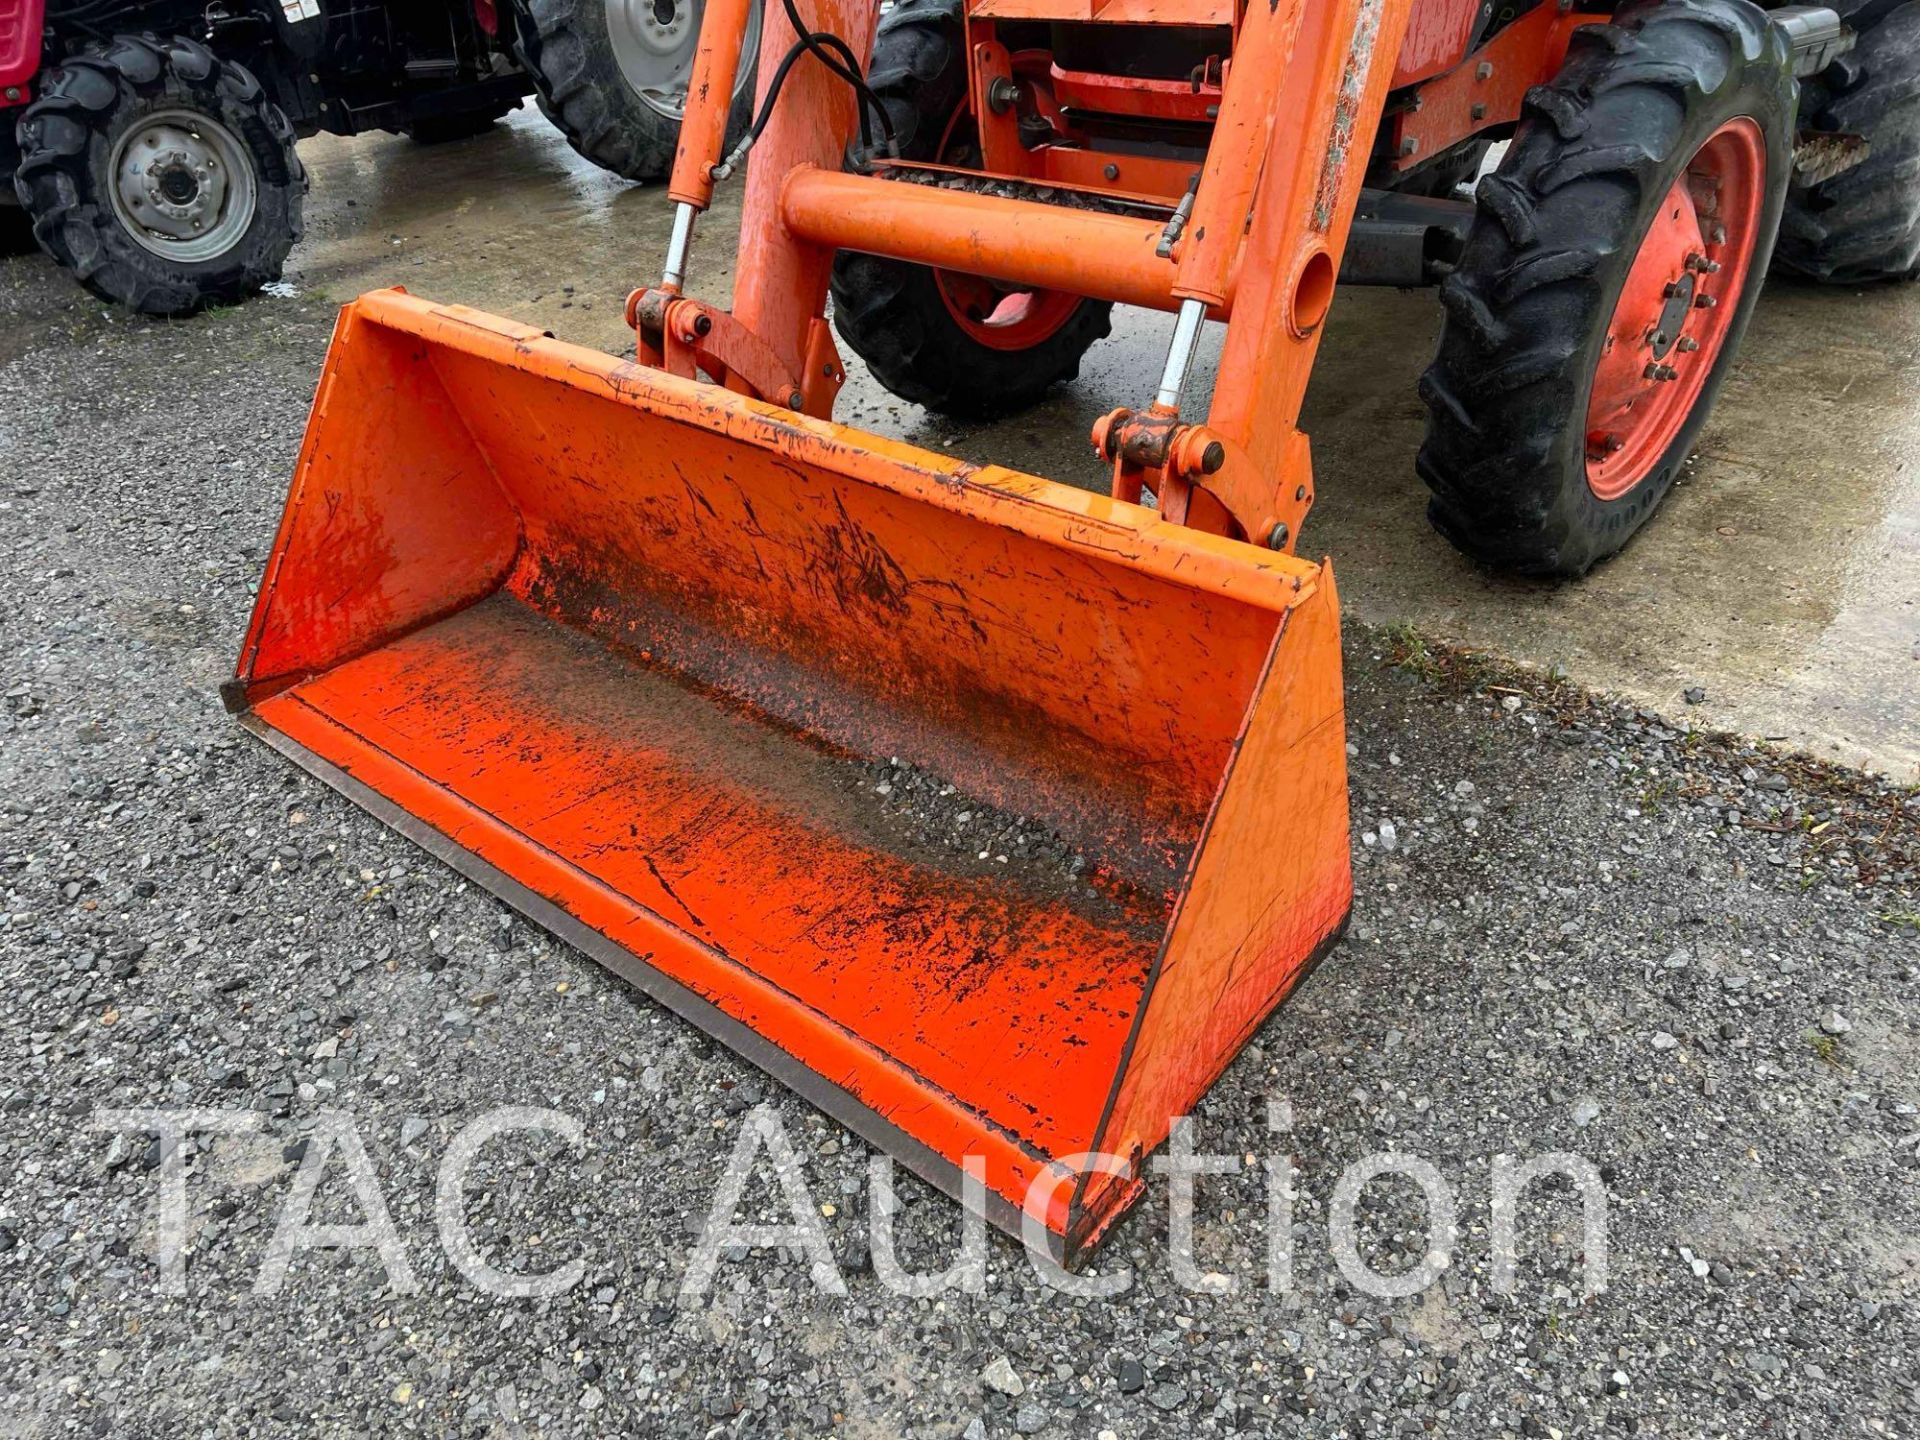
<point x="1782" y="578"/>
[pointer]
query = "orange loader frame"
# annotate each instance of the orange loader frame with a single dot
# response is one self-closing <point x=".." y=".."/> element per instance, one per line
<point x="616" y="638"/>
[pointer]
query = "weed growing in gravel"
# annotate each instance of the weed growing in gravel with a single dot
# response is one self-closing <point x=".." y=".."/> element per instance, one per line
<point x="1825" y="1048"/>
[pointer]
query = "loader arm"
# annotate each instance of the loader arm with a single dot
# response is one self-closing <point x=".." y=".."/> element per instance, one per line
<point x="655" y="649"/>
<point x="1255" y="242"/>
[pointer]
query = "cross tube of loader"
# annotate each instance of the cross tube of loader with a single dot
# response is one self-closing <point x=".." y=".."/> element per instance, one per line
<point x="629" y="645"/>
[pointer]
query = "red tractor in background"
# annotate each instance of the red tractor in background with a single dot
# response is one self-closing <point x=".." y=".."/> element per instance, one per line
<point x="152" y="143"/>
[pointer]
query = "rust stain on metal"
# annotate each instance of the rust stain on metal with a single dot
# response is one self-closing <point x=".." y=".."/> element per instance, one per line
<point x="1346" y="113"/>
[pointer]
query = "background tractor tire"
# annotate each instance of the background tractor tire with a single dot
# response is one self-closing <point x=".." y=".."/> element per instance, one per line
<point x="612" y="76"/>
<point x="160" y="175"/>
<point x="940" y="340"/>
<point x="1547" y="317"/>
<point x="1863" y="225"/>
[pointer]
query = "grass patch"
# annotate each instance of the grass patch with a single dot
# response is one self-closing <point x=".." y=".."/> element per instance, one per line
<point x="1826" y="1049"/>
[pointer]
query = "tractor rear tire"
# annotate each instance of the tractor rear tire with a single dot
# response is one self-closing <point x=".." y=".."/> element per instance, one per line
<point x="1593" y="240"/>
<point x="624" y="117"/>
<point x="930" y="337"/>
<point x="223" y="153"/>
<point x="1863" y="225"/>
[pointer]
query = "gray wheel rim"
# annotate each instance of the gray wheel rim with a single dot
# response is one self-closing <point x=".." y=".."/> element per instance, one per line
<point x="653" y="43"/>
<point x="183" y="185"/>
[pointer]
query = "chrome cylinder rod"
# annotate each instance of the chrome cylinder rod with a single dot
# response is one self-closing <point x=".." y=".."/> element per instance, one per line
<point x="674" y="273"/>
<point x="1186" y="339"/>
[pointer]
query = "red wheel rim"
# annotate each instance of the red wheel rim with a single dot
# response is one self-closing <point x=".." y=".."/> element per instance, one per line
<point x="1674" y="315"/>
<point x="1001" y="318"/>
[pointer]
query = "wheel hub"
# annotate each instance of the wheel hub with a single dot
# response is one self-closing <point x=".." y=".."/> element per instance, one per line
<point x="653" y="43"/>
<point x="1670" y="326"/>
<point x="182" y="185"/>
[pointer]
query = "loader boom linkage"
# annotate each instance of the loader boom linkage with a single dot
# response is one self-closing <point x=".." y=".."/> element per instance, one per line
<point x="1294" y="109"/>
<point x="653" y="649"/>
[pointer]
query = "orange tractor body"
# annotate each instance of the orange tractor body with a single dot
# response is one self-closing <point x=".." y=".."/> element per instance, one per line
<point x="648" y="647"/>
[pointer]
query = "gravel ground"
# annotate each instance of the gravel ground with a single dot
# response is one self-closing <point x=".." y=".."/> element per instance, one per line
<point x="1577" y="928"/>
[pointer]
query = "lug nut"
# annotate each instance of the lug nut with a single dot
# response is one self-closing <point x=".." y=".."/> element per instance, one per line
<point x="1704" y="302"/>
<point x="1661" y="372"/>
<point x="1702" y="265"/>
<point x="1688" y="345"/>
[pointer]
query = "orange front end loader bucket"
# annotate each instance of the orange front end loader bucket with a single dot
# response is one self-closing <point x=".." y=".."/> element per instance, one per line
<point x="741" y="702"/>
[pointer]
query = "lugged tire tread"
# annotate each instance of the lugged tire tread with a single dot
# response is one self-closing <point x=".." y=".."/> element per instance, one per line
<point x="64" y="143"/>
<point x="889" y="312"/>
<point x="579" y="87"/>
<point x="1555" y="230"/>
<point x="1863" y="226"/>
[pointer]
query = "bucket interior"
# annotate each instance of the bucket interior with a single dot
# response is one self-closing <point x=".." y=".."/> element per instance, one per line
<point x="736" y="680"/>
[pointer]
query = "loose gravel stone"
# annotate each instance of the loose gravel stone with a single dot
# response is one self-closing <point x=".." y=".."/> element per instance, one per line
<point x="185" y="920"/>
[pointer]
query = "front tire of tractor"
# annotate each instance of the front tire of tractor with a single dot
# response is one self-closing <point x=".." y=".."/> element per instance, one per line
<point x="612" y="76"/>
<point x="160" y="175"/>
<point x="1863" y="225"/>
<point x="957" y="345"/>
<point x="1611" y="269"/>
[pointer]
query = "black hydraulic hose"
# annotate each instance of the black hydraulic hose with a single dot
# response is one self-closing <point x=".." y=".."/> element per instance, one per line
<point x="817" y="41"/>
<point x="838" y="58"/>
